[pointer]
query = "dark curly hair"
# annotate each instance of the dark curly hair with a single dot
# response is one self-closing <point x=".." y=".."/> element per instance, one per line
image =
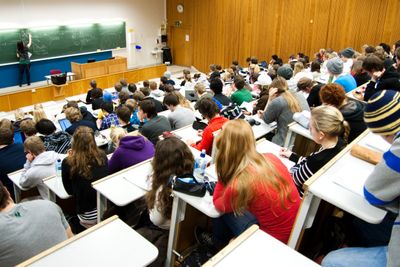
<point x="172" y="157"/>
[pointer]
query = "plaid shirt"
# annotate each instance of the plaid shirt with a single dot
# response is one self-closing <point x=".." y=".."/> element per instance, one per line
<point x="110" y="119"/>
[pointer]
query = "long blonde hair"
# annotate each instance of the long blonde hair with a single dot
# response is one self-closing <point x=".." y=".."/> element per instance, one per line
<point x="282" y="85"/>
<point x="238" y="162"/>
<point x="39" y="114"/>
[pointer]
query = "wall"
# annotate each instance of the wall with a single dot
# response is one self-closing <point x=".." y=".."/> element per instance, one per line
<point x="225" y="30"/>
<point x="144" y="17"/>
<point x="41" y="68"/>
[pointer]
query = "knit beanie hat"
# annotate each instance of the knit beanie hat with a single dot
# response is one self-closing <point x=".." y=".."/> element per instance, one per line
<point x="285" y="71"/>
<point x="167" y="74"/>
<point x="382" y="113"/>
<point x="335" y="65"/>
<point x="347" y="52"/>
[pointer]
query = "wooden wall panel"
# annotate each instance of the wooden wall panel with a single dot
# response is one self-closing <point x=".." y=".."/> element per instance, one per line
<point x="16" y="100"/>
<point x="225" y="30"/>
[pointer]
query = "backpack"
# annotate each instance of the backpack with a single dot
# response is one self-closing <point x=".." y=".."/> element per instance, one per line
<point x="232" y="112"/>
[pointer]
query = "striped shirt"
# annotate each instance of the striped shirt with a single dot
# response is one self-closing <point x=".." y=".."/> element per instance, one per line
<point x="307" y="166"/>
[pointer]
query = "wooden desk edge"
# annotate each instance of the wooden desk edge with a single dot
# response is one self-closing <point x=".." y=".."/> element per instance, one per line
<point x="121" y="171"/>
<point x="231" y="246"/>
<point x="66" y="242"/>
<point x="310" y="181"/>
<point x="48" y="178"/>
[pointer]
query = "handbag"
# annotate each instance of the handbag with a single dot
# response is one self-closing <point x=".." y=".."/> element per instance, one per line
<point x="189" y="185"/>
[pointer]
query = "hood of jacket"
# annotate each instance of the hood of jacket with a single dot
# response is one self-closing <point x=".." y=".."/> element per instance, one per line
<point x="132" y="142"/>
<point x="45" y="158"/>
<point x="353" y="110"/>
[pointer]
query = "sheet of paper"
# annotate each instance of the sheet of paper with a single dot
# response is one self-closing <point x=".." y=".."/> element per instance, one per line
<point x="352" y="181"/>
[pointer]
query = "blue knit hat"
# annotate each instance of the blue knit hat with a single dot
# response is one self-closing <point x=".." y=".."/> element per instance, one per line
<point x="107" y="97"/>
<point x="382" y="114"/>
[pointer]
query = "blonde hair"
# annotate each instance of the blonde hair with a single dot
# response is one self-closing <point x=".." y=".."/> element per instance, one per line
<point x="282" y="85"/>
<point x="39" y="114"/>
<point x="330" y="121"/>
<point x="200" y="88"/>
<point x="182" y="100"/>
<point x="116" y="135"/>
<point x="73" y="114"/>
<point x="19" y="114"/>
<point x="298" y="67"/>
<point x="238" y="162"/>
<point x="131" y="104"/>
<point x="34" y="145"/>
<point x="254" y="68"/>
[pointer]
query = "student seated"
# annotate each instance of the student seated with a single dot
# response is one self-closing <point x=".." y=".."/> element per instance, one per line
<point x="130" y="149"/>
<point x="122" y="98"/>
<point x="381" y="79"/>
<point x="59" y="142"/>
<point x="310" y="89"/>
<point x="89" y="97"/>
<point x="327" y="125"/>
<point x="209" y="110"/>
<point x="86" y="115"/>
<point x="28" y="228"/>
<point x="241" y="94"/>
<point x="155" y="92"/>
<point x="201" y="92"/>
<point x="381" y="187"/>
<point x="74" y="116"/>
<point x="216" y="86"/>
<point x="280" y="107"/>
<point x="172" y="157"/>
<point x="84" y="164"/>
<point x="352" y="110"/>
<point x="155" y="125"/>
<point x="97" y="98"/>
<point x="133" y="107"/>
<point x="132" y="89"/>
<point x="179" y="116"/>
<point x="124" y="84"/>
<point x="110" y="118"/>
<point x="28" y="128"/>
<point x="335" y="70"/>
<point x="159" y="106"/>
<point x="12" y="156"/>
<point x="39" y="164"/>
<point x="252" y="188"/>
<point x="124" y="118"/>
<point x="168" y="75"/>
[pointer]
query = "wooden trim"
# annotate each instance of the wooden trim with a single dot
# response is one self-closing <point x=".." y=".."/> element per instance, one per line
<point x="231" y="246"/>
<point x="313" y="178"/>
<point x="121" y="172"/>
<point x="66" y="242"/>
<point x="13" y="173"/>
<point x="48" y="178"/>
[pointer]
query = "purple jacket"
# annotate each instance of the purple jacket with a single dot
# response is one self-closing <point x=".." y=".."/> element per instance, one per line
<point x="131" y="150"/>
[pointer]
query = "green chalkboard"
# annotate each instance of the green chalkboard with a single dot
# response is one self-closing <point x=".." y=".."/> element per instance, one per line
<point x="63" y="40"/>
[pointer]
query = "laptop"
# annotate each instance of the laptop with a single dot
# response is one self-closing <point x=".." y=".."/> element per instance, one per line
<point x="64" y="124"/>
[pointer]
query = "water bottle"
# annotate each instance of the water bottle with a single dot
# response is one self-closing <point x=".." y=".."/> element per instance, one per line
<point x="58" y="167"/>
<point x="200" y="166"/>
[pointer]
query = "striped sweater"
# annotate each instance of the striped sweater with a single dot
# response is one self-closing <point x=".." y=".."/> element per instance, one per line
<point x="307" y="166"/>
<point x="382" y="188"/>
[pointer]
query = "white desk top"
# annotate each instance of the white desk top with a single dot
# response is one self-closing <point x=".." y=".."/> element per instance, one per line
<point x="15" y="177"/>
<point x="55" y="184"/>
<point x="112" y="244"/>
<point x="203" y="204"/>
<point x="187" y="133"/>
<point x="259" y="249"/>
<point x="353" y="168"/>
<point x="262" y="129"/>
<point x="297" y="128"/>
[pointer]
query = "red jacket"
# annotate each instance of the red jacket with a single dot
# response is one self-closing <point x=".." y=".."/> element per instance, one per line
<point x="206" y="142"/>
<point x="265" y="206"/>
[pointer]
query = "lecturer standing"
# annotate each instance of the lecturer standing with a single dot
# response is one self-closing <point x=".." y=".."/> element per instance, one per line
<point x="24" y="60"/>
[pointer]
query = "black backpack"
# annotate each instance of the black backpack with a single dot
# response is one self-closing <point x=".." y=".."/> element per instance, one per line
<point x="232" y="112"/>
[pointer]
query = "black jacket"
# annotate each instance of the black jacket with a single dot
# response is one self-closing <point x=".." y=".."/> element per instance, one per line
<point x="353" y="113"/>
<point x="390" y="81"/>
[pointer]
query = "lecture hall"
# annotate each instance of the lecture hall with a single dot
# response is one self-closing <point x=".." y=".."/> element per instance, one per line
<point x="200" y="133"/>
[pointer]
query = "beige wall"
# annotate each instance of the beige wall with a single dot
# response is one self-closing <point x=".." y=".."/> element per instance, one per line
<point x="145" y="17"/>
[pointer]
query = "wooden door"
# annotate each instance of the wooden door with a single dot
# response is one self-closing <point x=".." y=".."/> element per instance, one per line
<point x="181" y="46"/>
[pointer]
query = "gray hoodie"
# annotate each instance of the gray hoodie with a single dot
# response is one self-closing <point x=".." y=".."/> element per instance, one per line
<point x="34" y="172"/>
<point x="382" y="188"/>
